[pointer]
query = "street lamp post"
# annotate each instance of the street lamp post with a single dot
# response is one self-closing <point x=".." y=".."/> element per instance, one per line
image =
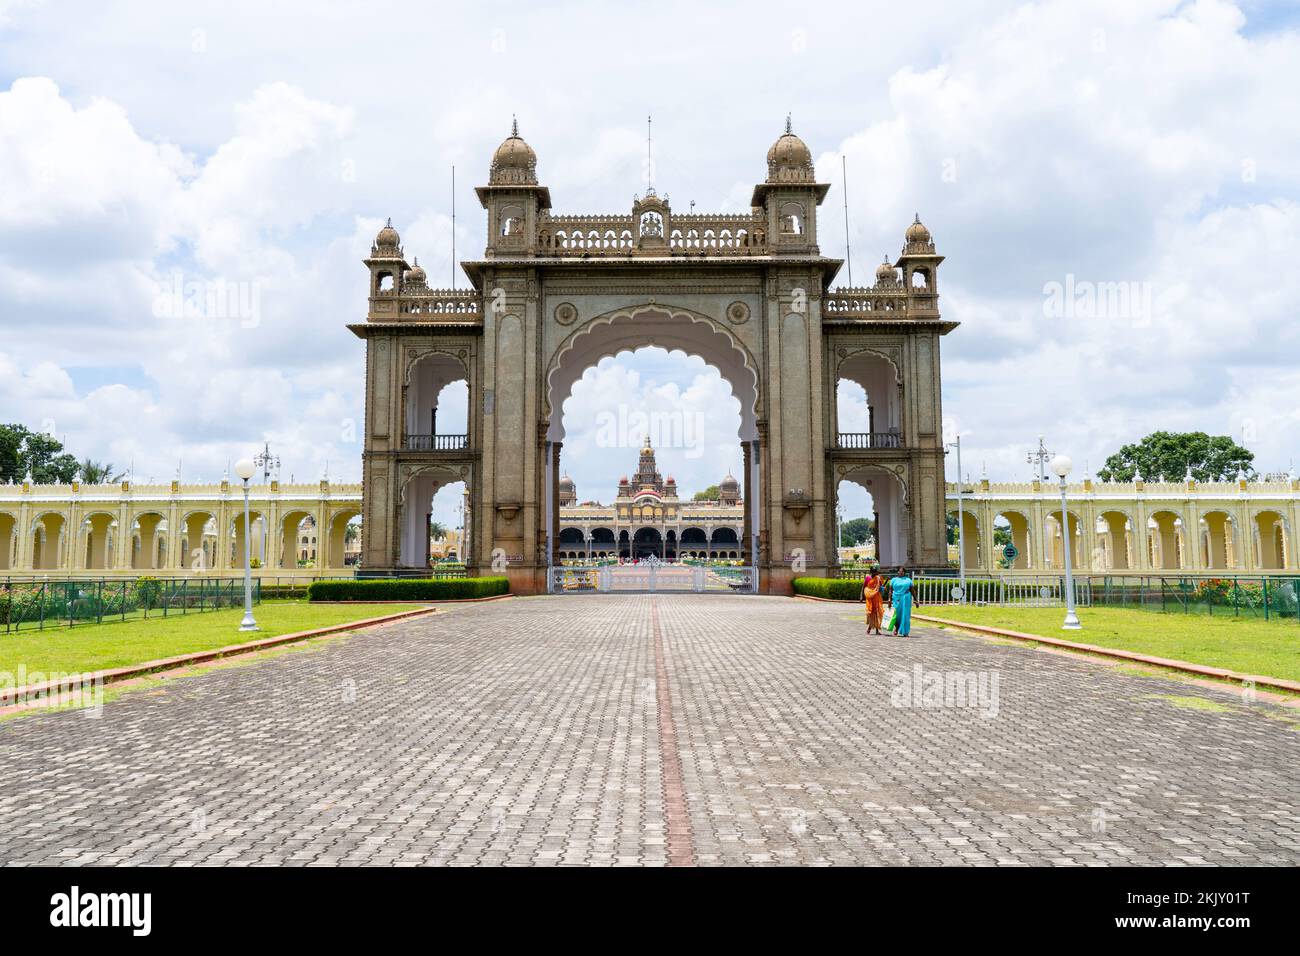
<point x="961" y="526"/>
<point x="244" y="468"/>
<point x="1061" y="465"/>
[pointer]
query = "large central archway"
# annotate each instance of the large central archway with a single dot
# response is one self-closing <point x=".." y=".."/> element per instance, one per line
<point x="680" y="332"/>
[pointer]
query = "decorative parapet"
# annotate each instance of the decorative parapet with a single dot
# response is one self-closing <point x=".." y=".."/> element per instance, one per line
<point x="1129" y="489"/>
<point x="12" y="495"/>
<point x="613" y="235"/>
<point x="887" y="300"/>
<point x="457" y="305"/>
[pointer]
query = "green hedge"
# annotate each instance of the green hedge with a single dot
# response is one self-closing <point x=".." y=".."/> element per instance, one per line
<point x="407" y="589"/>
<point x="835" y="589"/>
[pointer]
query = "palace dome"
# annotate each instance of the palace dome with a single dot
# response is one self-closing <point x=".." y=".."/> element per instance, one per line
<point x="885" y="272"/>
<point x="789" y="158"/>
<point x="416" y="274"/>
<point x="387" y="237"/>
<point x="514" y="161"/>
<point x="917" y="232"/>
<point x="729" y="484"/>
<point x="566" y="484"/>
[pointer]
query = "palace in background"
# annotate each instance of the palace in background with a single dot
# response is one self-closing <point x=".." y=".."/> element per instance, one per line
<point x="648" y="519"/>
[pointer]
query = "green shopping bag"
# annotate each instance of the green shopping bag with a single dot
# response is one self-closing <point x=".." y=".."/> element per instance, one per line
<point x="888" y="624"/>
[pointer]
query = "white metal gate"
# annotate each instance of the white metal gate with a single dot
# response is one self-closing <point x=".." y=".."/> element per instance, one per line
<point x="652" y="577"/>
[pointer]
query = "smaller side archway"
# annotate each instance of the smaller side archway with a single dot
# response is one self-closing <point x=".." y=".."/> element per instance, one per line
<point x="1165" y="541"/>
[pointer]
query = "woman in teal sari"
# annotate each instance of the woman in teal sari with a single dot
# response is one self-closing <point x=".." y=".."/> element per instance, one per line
<point x="900" y="597"/>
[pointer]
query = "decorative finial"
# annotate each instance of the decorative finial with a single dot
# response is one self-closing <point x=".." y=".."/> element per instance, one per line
<point x="789" y="128"/>
<point x="917" y="220"/>
<point x="514" y="126"/>
<point x="389" y="223"/>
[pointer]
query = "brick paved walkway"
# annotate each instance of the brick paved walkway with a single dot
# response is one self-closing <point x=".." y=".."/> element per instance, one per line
<point x="532" y="731"/>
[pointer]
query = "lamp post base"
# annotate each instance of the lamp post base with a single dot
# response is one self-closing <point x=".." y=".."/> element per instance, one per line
<point x="1071" y="622"/>
<point x="248" y="624"/>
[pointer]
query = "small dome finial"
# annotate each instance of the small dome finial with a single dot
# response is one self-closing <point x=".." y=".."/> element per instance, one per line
<point x="789" y="127"/>
<point x="514" y="125"/>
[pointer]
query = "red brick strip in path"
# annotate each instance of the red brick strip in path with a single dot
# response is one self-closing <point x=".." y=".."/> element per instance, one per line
<point x="681" y="844"/>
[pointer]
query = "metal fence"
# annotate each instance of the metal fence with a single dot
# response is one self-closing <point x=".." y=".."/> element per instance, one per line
<point x="1266" y="598"/>
<point x="1041" y="591"/>
<point x="36" y="605"/>
<point x="1271" y="597"/>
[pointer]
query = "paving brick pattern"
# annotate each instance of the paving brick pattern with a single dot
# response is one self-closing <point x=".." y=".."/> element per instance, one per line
<point x="530" y="732"/>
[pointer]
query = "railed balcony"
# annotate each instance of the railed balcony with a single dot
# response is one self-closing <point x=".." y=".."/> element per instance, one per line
<point x="436" y="442"/>
<point x="864" y="441"/>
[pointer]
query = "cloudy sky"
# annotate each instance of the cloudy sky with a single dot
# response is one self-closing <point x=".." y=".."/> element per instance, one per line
<point x="258" y="147"/>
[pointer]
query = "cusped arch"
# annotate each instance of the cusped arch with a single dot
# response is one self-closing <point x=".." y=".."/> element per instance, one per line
<point x="441" y="474"/>
<point x="855" y="353"/>
<point x="669" y="327"/>
<point x="417" y="357"/>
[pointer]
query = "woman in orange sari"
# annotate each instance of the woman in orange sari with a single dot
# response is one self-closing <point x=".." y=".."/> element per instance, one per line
<point x="871" y="588"/>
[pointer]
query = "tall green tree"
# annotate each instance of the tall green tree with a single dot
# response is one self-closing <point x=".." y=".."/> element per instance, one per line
<point x="855" y="531"/>
<point x="437" y="530"/>
<point x="1166" y="456"/>
<point x="23" y="450"/>
<point x="711" y="493"/>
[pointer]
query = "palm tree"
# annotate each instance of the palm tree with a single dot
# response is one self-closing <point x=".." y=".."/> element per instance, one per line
<point x="98" y="473"/>
<point x="437" y="530"/>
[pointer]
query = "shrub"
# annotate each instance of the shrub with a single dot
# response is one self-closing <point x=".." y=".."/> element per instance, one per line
<point x="834" y="589"/>
<point x="407" y="589"/>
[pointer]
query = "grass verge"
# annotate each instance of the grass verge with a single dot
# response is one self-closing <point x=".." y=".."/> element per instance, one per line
<point x="99" y="647"/>
<point x="1249" y="646"/>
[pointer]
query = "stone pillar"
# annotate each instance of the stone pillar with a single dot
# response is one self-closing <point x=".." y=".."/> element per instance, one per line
<point x="555" y="501"/>
<point x="746" y="528"/>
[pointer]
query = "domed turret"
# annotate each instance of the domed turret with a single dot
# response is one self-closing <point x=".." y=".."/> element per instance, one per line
<point x="885" y="274"/>
<point x="387" y="241"/>
<point x="514" y="162"/>
<point x="568" y="491"/>
<point x="917" y="232"/>
<point x="416" y="275"/>
<point x="729" y="484"/>
<point x="789" y="159"/>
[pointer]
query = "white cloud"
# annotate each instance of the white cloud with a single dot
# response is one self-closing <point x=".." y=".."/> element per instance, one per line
<point x="1119" y="140"/>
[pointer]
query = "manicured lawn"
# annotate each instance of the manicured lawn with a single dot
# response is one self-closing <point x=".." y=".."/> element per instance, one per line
<point x="92" y="647"/>
<point x="1247" y="645"/>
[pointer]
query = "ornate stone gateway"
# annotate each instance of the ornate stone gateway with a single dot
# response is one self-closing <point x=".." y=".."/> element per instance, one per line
<point x="748" y="293"/>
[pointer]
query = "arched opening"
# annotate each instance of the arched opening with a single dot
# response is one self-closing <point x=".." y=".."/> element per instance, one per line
<point x="298" y="540"/>
<point x="965" y="539"/>
<point x="198" y="549"/>
<point x="149" y="542"/>
<point x="876" y="493"/>
<point x="99" y="541"/>
<point x="573" y="543"/>
<point x="344" y="528"/>
<point x="1218" y="541"/>
<point x="1056" y="541"/>
<point x="434" y="518"/>
<point x="603" y="543"/>
<point x="647" y="543"/>
<point x="1114" y="548"/>
<point x="255" y="544"/>
<point x="1271" y="541"/>
<point x="8" y="541"/>
<point x="687" y="427"/>
<point x="1012" y="528"/>
<point x="868" y="402"/>
<point x="1165" y="542"/>
<point x="437" y="403"/>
